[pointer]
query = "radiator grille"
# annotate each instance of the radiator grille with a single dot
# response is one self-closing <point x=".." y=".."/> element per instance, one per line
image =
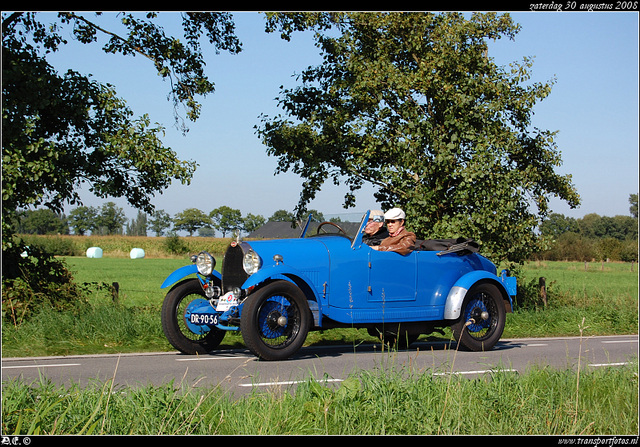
<point x="233" y="275"/>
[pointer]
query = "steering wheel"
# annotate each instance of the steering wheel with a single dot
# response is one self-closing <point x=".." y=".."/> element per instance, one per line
<point x="344" y="233"/>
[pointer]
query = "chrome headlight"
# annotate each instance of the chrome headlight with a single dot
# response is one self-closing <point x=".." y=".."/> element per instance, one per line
<point x="205" y="263"/>
<point x="251" y="262"/>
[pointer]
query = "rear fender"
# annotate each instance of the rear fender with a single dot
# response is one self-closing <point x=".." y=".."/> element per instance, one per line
<point x="295" y="276"/>
<point x="453" y="305"/>
<point x="183" y="272"/>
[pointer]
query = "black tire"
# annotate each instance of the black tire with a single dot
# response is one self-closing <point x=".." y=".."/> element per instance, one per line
<point x="174" y="325"/>
<point x="275" y="320"/>
<point x="481" y="334"/>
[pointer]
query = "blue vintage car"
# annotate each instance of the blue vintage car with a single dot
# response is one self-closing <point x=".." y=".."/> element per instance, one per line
<point x="276" y="291"/>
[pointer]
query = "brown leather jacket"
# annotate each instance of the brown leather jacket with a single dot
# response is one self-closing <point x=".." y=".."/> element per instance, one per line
<point x="403" y="243"/>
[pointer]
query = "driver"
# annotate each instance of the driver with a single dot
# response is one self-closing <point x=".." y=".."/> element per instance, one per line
<point x="375" y="231"/>
<point x="400" y="240"/>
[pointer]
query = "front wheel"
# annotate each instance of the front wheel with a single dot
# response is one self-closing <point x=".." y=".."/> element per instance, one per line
<point x="483" y="317"/>
<point x="275" y="321"/>
<point x="174" y="320"/>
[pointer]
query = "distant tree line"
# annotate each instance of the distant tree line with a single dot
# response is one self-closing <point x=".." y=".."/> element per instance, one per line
<point x="110" y="219"/>
<point x="592" y="237"/>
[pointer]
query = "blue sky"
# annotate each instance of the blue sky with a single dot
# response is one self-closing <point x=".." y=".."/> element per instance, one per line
<point x="594" y="105"/>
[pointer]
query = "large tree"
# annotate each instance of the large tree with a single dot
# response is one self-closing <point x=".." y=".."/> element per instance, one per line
<point x="60" y="130"/>
<point x="413" y="104"/>
<point x="111" y="219"/>
<point x="226" y="219"/>
<point x="190" y="220"/>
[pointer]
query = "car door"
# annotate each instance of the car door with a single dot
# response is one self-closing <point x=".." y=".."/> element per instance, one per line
<point x="392" y="277"/>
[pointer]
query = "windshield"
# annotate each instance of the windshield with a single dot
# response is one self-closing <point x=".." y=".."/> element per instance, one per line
<point x="313" y="227"/>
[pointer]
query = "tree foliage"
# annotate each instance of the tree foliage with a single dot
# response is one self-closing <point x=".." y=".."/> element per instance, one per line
<point x="62" y="130"/>
<point x="413" y="104"/>
<point x="42" y="221"/>
<point x="226" y="219"/>
<point x="159" y="222"/>
<point x="83" y="219"/>
<point x="190" y="220"/>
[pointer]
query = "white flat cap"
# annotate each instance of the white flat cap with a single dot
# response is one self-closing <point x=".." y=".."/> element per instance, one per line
<point x="394" y="214"/>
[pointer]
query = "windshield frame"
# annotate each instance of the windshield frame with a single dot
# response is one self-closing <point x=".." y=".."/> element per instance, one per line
<point x="357" y="241"/>
<point x="306" y="226"/>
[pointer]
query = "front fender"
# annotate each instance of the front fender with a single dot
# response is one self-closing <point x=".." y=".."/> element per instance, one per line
<point x="456" y="295"/>
<point x="183" y="272"/>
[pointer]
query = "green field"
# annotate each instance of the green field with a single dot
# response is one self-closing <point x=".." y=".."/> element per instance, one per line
<point x="140" y="279"/>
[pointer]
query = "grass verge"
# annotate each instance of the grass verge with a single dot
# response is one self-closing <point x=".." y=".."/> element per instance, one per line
<point x="544" y="401"/>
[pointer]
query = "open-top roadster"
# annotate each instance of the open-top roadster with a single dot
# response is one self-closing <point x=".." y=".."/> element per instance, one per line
<point x="276" y="291"/>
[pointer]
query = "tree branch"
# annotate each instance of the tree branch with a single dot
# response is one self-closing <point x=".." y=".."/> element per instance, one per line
<point x="109" y="33"/>
<point x="9" y="20"/>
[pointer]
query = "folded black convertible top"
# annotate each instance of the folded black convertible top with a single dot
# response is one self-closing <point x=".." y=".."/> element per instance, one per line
<point x="461" y="245"/>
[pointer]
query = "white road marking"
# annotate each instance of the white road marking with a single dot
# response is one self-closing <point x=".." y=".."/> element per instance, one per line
<point x="609" y="364"/>
<point x="477" y="372"/>
<point x="290" y="382"/>
<point x="198" y="359"/>
<point x="41" y="366"/>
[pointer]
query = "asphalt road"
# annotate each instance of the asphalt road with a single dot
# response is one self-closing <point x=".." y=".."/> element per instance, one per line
<point x="239" y="372"/>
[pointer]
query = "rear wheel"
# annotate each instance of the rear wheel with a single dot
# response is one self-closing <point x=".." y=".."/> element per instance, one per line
<point x="174" y="323"/>
<point x="275" y="321"/>
<point x="483" y="317"/>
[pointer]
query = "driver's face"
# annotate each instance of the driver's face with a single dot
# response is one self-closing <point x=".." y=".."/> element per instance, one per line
<point x="372" y="227"/>
<point x="394" y="225"/>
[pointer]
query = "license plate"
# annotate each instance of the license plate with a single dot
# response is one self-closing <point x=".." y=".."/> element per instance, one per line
<point x="204" y="319"/>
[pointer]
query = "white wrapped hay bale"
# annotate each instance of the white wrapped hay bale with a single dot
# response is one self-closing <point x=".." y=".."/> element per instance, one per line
<point x="136" y="253"/>
<point x="94" y="252"/>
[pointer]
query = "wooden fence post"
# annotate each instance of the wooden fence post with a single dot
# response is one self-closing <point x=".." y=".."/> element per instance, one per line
<point x="543" y="290"/>
<point x="115" y="289"/>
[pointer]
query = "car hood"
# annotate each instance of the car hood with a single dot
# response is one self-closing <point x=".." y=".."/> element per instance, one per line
<point x="298" y="252"/>
<point x="309" y="255"/>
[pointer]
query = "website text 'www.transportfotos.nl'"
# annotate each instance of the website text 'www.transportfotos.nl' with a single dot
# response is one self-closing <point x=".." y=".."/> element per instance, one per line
<point x="605" y="441"/>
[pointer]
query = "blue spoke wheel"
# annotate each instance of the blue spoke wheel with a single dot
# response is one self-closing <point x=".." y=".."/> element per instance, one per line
<point x="175" y="320"/>
<point x="275" y="320"/>
<point x="483" y="318"/>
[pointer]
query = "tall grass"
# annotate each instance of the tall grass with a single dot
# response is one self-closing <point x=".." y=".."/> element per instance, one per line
<point x="540" y="402"/>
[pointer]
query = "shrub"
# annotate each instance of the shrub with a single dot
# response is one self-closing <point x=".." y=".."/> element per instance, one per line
<point x="529" y="297"/>
<point x="174" y="245"/>
<point x="35" y="280"/>
<point x="56" y="245"/>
